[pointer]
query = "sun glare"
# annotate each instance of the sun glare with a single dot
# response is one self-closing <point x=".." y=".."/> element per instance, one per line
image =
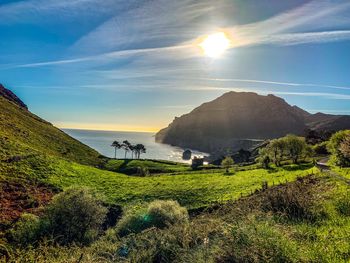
<point x="214" y="45"/>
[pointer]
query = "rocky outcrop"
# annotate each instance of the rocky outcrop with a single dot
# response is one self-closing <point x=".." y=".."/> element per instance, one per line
<point x="9" y="95"/>
<point x="240" y="120"/>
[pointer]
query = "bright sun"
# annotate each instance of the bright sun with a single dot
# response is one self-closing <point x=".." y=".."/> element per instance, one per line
<point x="214" y="45"/>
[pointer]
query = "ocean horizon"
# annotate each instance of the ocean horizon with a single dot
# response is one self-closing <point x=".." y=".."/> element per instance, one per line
<point x="101" y="141"/>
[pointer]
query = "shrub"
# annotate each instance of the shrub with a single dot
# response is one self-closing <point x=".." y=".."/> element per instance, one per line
<point x="75" y="216"/>
<point x="159" y="214"/>
<point x="164" y="213"/>
<point x="142" y="171"/>
<point x="227" y="163"/>
<point x="343" y="204"/>
<point x="133" y="222"/>
<point x="27" y="230"/>
<point x="296" y="201"/>
<point x="256" y="242"/>
<point x="334" y="147"/>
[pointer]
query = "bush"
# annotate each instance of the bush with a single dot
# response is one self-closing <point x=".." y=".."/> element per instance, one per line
<point x="142" y="171"/>
<point x="256" y="242"/>
<point x="227" y="163"/>
<point x="343" y="204"/>
<point x="296" y="201"/>
<point x="164" y="213"/>
<point x="133" y="222"/>
<point x="27" y="230"/>
<point x="334" y="147"/>
<point x="159" y="214"/>
<point x="75" y="216"/>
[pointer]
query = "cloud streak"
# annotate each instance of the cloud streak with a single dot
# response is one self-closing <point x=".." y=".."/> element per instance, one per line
<point x="133" y="33"/>
<point x="38" y="11"/>
<point x="325" y="95"/>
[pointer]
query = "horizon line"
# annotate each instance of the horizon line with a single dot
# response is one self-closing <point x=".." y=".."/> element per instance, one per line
<point x="107" y="129"/>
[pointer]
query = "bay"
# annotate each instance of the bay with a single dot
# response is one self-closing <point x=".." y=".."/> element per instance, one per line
<point x="101" y="141"/>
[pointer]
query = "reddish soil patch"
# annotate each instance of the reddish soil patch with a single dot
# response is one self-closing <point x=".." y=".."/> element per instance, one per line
<point x="19" y="197"/>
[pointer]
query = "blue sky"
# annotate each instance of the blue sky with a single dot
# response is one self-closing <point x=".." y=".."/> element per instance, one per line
<point x="135" y="65"/>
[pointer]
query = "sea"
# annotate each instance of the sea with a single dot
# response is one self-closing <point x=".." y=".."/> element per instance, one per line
<point x="101" y="141"/>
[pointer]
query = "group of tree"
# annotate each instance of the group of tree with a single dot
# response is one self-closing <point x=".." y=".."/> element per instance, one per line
<point x="136" y="150"/>
<point x="290" y="147"/>
<point x="339" y="146"/>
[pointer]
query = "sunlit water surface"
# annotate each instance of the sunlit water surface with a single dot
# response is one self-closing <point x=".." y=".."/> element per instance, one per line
<point x="101" y="141"/>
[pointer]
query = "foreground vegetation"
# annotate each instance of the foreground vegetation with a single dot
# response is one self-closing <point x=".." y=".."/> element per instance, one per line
<point x="62" y="202"/>
<point x="303" y="221"/>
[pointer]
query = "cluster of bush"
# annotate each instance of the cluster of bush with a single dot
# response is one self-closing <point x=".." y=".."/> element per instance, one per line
<point x="296" y="148"/>
<point x="78" y="216"/>
<point x="290" y="147"/>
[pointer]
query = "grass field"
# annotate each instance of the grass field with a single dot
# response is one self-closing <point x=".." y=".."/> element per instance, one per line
<point x="238" y="230"/>
<point x="190" y="189"/>
<point x="130" y="166"/>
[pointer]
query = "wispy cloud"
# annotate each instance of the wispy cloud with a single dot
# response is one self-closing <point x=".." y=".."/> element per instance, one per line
<point x="52" y="10"/>
<point x="333" y="96"/>
<point x="308" y="17"/>
<point x="160" y="27"/>
<point x="304" y="38"/>
<point x="105" y="57"/>
<point x="161" y="21"/>
<point x="278" y="83"/>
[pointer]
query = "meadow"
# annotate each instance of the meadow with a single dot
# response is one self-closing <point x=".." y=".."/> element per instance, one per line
<point x="191" y="188"/>
<point x="246" y="229"/>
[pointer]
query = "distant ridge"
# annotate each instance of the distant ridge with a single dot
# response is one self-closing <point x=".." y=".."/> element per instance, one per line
<point x="235" y="118"/>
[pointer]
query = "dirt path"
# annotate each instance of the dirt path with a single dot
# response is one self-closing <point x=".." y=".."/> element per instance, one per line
<point x="324" y="167"/>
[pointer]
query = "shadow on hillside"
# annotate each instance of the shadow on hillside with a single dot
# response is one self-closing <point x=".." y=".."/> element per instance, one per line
<point x="295" y="167"/>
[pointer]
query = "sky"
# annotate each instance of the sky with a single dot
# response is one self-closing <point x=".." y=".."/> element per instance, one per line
<point x="135" y="65"/>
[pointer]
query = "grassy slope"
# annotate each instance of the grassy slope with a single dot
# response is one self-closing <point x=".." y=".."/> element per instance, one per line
<point x="23" y="133"/>
<point x="343" y="172"/>
<point x="193" y="189"/>
<point x="153" y="166"/>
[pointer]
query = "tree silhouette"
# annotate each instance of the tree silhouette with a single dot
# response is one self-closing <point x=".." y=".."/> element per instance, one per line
<point x="116" y="146"/>
<point x="139" y="149"/>
<point x="132" y="149"/>
<point x="126" y="146"/>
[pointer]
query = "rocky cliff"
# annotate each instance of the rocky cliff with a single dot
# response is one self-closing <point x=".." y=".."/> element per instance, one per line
<point x="239" y="119"/>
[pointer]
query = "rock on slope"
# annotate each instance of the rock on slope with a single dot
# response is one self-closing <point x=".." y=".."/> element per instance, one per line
<point x="10" y="96"/>
<point x="236" y="119"/>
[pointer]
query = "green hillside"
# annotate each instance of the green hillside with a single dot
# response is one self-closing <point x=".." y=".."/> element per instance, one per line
<point x="290" y="213"/>
<point x="23" y="133"/>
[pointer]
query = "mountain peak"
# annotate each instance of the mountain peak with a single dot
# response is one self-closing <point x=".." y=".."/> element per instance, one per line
<point x="237" y="117"/>
<point x="9" y="95"/>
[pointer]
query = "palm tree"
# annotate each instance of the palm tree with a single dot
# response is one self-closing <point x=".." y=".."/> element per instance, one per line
<point x="132" y="149"/>
<point x="126" y="146"/>
<point x="139" y="148"/>
<point x="116" y="146"/>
